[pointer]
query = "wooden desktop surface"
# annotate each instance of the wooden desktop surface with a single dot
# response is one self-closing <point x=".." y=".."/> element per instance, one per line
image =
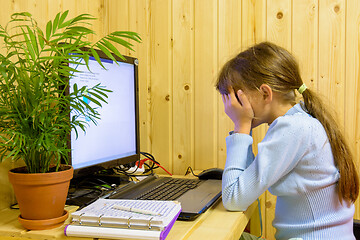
<point x="216" y="223"/>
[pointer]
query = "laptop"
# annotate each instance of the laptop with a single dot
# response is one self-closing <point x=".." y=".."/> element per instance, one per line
<point x="195" y="195"/>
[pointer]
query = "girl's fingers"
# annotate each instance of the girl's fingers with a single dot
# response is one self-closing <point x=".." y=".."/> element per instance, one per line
<point x="244" y="101"/>
<point x="223" y="96"/>
<point x="232" y="97"/>
<point x="227" y="97"/>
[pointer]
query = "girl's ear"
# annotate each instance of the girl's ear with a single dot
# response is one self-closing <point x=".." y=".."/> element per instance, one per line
<point x="267" y="92"/>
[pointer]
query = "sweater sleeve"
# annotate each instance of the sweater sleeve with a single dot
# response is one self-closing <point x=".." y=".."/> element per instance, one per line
<point x="245" y="178"/>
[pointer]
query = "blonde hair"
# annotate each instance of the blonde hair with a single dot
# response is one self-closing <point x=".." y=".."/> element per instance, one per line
<point x="267" y="63"/>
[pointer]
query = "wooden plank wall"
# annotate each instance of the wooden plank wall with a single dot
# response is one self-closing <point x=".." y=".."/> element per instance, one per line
<point x="185" y="43"/>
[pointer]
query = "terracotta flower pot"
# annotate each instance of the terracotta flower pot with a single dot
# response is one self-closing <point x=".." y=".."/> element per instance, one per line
<point x="41" y="196"/>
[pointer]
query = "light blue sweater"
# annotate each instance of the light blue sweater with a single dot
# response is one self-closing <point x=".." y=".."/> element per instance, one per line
<point x="295" y="163"/>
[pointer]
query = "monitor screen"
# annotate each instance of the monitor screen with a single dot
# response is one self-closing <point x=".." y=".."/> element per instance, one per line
<point x="114" y="140"/>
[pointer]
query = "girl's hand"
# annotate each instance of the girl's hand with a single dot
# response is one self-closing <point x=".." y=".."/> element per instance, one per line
<point x="239" y="111"/>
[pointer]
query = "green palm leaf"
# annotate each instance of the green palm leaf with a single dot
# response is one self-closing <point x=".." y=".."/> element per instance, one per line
<point x="34" y="74"/>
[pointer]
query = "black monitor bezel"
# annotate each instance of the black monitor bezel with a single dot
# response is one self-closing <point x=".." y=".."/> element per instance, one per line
<point x="92" y="169"/>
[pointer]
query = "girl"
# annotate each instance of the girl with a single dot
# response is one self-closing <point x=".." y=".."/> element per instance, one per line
<point x="303" y="159"/>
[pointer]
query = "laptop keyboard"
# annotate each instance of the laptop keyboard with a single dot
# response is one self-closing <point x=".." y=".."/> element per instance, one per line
<point x="170" y="189"/>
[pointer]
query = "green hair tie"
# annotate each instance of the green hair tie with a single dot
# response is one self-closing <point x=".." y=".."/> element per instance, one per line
<point x="302" y="88"/>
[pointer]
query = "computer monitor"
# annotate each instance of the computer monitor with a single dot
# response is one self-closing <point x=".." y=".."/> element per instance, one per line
<point x="114" y="140"/>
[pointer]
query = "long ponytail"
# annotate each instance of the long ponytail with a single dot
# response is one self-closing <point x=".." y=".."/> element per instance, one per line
<point x="349" y="181"/>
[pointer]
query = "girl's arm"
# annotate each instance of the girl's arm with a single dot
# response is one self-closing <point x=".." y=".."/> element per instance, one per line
<point x="245" y="178"/>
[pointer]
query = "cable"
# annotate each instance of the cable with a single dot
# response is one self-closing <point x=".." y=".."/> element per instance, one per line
<point x="160" y="166"/>
<point x="125" y="170"/>
<point x="154" y="162"/>
<point x="149" y="168"/>
<point x="14" y="206"/>
<point x="187" y="172"/>
<point x="148" y="155"/>
<point x="261" y="226"/>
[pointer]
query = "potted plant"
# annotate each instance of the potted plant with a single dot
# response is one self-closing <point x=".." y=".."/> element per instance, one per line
<point x="34" y="109"/>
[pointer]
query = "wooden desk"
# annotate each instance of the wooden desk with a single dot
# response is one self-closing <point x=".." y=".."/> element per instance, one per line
<point x="215" y="223"/>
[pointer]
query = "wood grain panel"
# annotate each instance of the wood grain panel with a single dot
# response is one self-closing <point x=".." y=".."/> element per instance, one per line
<point x="352" y="83"/>
<point x="253" y="22"/>
<point x="183" y="85"/>
<point x="205" y="94"/>
<point x="331" y="79"/>
<point x="139" y="21"/>
<point x="161" y="82"/>
<point x="305" y="23"/>
<point x="279" y="22"/>
<point x="229" y="45"/>
<point x="117" y="18"/>
<point x="7" y="10"/>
